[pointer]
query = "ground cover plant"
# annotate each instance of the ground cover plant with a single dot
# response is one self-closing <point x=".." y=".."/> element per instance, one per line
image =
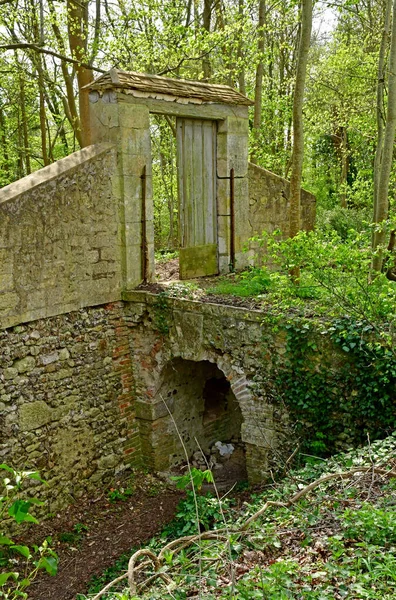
<point x="19" y="563"/>
<point x="325" y="531"/>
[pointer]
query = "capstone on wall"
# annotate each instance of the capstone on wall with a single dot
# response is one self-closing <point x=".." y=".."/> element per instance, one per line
<point x="61" y="244"/>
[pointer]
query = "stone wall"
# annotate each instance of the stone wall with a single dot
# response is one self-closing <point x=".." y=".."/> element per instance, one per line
<point x="66" y="394"/>
<point x="60" y="238"/>
<point x="269" y="203"/>
<point x="176" y="334"/>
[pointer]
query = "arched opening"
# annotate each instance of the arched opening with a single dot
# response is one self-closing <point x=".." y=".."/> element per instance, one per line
<point x="207" y="416"/>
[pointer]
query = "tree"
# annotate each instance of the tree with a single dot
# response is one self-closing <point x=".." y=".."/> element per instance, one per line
<point x="384" y="170"/>
<point x="298" y="132"/>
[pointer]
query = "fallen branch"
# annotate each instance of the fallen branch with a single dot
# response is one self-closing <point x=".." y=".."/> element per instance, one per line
<point x="179" y="544"/>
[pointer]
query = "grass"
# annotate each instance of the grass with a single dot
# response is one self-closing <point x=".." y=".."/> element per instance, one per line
<point x="339" y="541"/>
<point x="250" y="283"/>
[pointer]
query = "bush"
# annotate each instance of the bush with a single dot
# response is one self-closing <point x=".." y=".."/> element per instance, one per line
<point x="20" y="564"/>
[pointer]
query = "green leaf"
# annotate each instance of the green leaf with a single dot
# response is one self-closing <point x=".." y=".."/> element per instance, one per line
<point x="7" y="468"/>
<point x="5" y="541"/>
<point x="19" y="511"/>
<point x="5" y="576"/>
<point x="23" y="550"/>
<point x="49" y="563"/>
<point x="37" y="477"/>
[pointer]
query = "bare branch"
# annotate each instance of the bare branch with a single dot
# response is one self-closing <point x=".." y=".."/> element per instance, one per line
<point x="36" y="48"/>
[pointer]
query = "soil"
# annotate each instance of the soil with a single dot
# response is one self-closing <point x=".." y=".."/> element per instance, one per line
<point x="110" y="530"/>
<point x="167" y="271"/>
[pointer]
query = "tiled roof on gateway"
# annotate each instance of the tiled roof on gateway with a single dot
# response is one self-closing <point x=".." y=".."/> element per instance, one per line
<point x="180" y="88"/>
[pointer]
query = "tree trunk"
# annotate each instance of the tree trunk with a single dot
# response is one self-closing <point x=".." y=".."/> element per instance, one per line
<point x="206" y="67"/>
<point x="387" y="153"/>
<point x="71" y="111"/>
<point x="298" y="131"/>
<point x="258" y="90"/>
<point x="380" y="101"/>
<point x="241" y="68"/>
<point x="4" y="144"/>
<point x="77" y="25"/>
<point x="344" y="166"/>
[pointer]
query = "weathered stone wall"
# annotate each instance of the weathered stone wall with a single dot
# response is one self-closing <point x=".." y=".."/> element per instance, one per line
<point x="66" y="395"/>
<point x="81" y="394"/>
<point x="269" y="203"/>
<point x="163" y="335"/>
<point x="60" y="238"/>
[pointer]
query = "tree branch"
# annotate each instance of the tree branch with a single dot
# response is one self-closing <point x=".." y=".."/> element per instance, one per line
<point x="36" y="48"/>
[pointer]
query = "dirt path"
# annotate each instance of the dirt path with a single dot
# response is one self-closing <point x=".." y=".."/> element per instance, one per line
<point x="102" y="532"/>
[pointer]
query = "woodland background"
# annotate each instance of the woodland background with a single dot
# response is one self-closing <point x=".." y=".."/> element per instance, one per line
<point x="52" y="49"/>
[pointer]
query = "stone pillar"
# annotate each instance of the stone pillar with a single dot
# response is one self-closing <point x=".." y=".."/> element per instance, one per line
<point x="232" y="153"/>
<point x="128" y="127"/>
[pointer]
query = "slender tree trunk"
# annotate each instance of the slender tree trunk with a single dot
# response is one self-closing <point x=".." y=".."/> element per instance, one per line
<point x="258" y="89"/>
<point x="241" y="68"/>
<point x="387" y="153"/>
<point x="298" y="131"/>
<point x="344" y="165"/>
<point x="206" y="66"/>
<point x="77" y="24"/>
<point x="380" y="101"/>
<point x="71" y="112"/>
<point x="3" y="138"/>
<point x="26" y="147"/>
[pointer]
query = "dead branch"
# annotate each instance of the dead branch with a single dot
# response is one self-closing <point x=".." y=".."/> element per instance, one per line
<point x="179" y="544"/>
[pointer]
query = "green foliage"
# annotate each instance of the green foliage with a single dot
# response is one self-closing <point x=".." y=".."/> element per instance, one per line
<point x="161" y="313"/>
<point x="120" y="494"/>
<point x="75" y="536"/>
<point x="316" y="549"/>
<point x="249" y="283"/>
<point x="342" y="404"/>
<point x="338" y="270"/>
<point x="208" y="507"/>
<point x="20" y="564"/>
<point x="165" y="255"/>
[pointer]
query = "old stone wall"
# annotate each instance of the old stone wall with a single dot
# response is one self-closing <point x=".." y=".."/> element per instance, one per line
<point x="66" y="394"/>
<point x="269" y="203"/>
<point x="60" y="238"/>
<point x="174" y="335"/>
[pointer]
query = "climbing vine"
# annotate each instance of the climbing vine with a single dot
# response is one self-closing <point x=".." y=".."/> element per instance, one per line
<point x="162" y="313"/>
<point x="337" y="393"/>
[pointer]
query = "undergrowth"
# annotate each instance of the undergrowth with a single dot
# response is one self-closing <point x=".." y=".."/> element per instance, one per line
<point x="336" y="541"/>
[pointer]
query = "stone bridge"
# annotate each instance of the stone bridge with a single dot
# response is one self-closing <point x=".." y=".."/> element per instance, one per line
<point x="95" y="376"/>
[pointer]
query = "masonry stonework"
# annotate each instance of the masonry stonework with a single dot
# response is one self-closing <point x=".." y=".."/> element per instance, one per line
<point x="269" y="205"/>
<point x="60" y="238"/>
<point x="66" y="400"/>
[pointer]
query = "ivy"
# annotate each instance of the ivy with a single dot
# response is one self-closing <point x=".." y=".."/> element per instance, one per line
<point x="161" y="313"/>
<point x="338" y="383"/>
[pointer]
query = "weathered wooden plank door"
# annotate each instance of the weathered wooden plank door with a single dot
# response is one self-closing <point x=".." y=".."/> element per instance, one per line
<point x="196" y="161"/>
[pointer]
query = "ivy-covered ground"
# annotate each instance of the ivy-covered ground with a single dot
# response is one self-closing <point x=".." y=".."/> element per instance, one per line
<point x="325" y="531"/>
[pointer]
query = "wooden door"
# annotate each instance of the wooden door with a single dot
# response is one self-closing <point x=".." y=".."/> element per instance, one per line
<point x="196" y="161"/>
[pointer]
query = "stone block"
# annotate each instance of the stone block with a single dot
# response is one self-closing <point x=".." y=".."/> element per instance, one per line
<point x="33" y="415"/>
<point x="134" y="116"/>
<point x="6" y="280"/>
<point x="24" y="365"/>
<point x="223" y="196"/>
<point x="234" y="125"/>
<point x="151" y="411"/>
<point x="8" y="301"/>
<point x="136" y="142"/>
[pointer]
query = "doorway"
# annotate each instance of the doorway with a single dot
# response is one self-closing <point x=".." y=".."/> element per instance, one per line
<point x="184" y="197"/>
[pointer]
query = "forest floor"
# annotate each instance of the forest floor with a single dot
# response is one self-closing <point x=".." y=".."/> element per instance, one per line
<point x="90" y="535"/>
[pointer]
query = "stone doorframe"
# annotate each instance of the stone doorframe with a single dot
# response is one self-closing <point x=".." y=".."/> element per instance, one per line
<point x="120" y="113"/>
